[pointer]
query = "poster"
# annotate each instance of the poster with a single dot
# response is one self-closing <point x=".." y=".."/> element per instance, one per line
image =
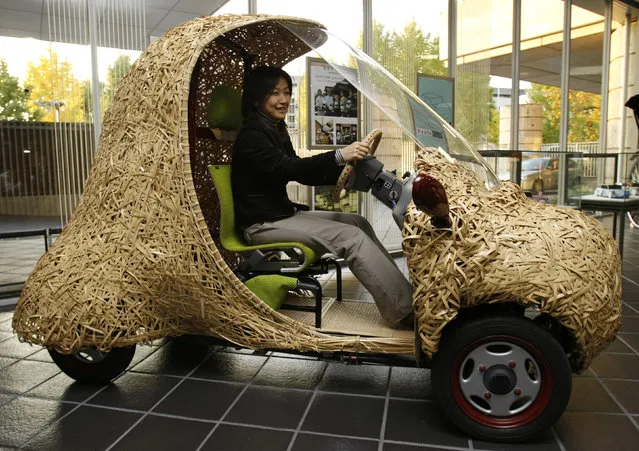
<point x="334" y="106"/>
<point x="439" y="94"/>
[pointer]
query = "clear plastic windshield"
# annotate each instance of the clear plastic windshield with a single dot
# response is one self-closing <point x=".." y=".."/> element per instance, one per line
<point x="418" y="121"/>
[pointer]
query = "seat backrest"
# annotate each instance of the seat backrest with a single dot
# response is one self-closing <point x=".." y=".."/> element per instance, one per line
<point x="224" y="112"/>
<point x="229" y="236"/>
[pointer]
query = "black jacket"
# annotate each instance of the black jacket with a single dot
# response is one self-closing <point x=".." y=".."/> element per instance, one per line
<point x="263" y="163"/>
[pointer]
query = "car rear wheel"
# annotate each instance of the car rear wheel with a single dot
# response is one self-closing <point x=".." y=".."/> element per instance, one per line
<point x="502" y="378"/>
<point x="91" y="366"/>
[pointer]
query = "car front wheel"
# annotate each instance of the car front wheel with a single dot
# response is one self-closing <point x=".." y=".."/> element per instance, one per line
<point x="501" y="378"/>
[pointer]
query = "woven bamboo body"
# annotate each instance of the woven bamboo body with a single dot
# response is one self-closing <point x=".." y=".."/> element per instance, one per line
<point x="137" y="261"/>
<point x="503" y="247"/>
<point x="140" y="258"/>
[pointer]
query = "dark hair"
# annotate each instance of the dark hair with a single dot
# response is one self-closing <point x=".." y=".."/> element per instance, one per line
<point x="258" y="85"/>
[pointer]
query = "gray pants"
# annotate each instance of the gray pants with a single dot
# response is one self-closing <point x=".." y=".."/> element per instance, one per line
<point x="351" y="237"/>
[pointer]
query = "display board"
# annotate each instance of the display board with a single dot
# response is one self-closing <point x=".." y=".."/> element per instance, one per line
<point x="333" y="105"/>
<point x="439" y="94"/>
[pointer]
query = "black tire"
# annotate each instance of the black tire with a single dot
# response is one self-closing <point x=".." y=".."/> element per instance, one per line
<point x="537" y="186"/>
<point x="91" y="366"/>
<point x="482" y="399"/>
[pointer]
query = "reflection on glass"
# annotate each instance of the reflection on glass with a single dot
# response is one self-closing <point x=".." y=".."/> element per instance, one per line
<point x="398" y="103"/>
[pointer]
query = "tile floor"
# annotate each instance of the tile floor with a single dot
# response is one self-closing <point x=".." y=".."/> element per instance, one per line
<point x="192" y="394"/>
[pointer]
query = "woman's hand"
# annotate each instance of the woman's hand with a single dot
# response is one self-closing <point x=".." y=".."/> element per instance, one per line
<point x="355" y="151"/>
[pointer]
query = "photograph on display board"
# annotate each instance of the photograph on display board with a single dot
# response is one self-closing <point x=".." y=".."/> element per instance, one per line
<point x="333" y="104"/>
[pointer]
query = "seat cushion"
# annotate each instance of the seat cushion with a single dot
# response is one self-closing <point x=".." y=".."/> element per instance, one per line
<point x="272" y="288"/>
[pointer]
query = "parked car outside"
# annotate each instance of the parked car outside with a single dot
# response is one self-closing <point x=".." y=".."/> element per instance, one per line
<point x="542" y="174"/>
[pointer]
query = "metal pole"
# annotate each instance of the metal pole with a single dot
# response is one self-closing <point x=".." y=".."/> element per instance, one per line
<point x="95" y="80"/>
<point x="452" y="40"/>
<point x="252" y="6"/>
<point x="364" y="206"/>
<point x="565" y="98"/>
<point x="605" y="79"/>
<point x="514" y="96"/>
<point x="624" y="95"/>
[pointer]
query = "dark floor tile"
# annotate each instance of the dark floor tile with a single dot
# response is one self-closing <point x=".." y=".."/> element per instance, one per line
<point x="141" y="353"/>
<point x="6" y="326"/>
<point x="421" y="422"/>
<point x="14" y="348"/>
<point x="314" y="442"/>
<point x="174" y="358"/>
<point x="227" y="366"/>
<point x="626" y="392"/>
<point x="160" y="433"/>
<point x="24" y="375"/>
<point x="412" y="383"/>
<point x="135" y="391"/>
<point x="239" y="350"/>
<point x="544" y="442"/>
<point x="345" y="415"/>
<point x="356" y="379"/>
<point x="5" y="398"/>
<point x="200" y="399"/>
<point x="238" y="438"/>
<point x="618" y="346"/>
<point x="42" y="356"/>
<point x="270" y="406"/>
<point x="630" y="324"/>
<point x="292" y="355"/>
<point x="86" y="428"/>
<point x="290" y="373"/>
<point x="402" y="447"/>
<point x="6" y="361"/>
<point x="586" y="431"/>
<point x="616" y="366"/>
<point x="631" y="340"/>
<point x="6" y="316"/>
<point x="22" y="418"/>
<point x="589" y="395"/>
<point x="64" y="388"/>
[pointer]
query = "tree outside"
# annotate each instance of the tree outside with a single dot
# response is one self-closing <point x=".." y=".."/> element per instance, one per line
<point x="412" y="52"/>
<point x="14" y="99"/>
<point x="407" y="53"/>
<point x="55" y="90"/>
<point x="585" y="112"/>
<point x="115" y="72"/>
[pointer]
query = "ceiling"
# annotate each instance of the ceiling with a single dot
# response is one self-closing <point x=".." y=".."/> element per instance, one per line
<point x="30" y="18"/>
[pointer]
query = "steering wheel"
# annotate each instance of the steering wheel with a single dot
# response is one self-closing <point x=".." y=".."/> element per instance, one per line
<point x="339" y="190"/>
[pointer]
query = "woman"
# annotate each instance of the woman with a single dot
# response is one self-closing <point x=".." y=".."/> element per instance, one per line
<point x="264" y="162"/>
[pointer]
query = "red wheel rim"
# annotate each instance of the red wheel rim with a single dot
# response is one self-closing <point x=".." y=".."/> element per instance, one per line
<point x="520" y="419"/>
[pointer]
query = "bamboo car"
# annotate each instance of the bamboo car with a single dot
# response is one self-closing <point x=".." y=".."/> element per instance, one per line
<point x="510" y="296"/>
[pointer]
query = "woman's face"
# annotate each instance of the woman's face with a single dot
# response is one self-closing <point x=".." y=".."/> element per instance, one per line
<point x="276" y="103"/>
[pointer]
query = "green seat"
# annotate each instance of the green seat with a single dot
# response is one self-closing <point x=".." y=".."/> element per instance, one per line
<point x="265" y="279"/>
<point x="229" y="236"/>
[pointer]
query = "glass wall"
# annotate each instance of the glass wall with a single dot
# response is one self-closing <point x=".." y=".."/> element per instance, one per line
<point x="410" y="42"/>
<point x="587" y="34"/>
<point x="484" y="68"/>
<point x="55" y="88"/>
